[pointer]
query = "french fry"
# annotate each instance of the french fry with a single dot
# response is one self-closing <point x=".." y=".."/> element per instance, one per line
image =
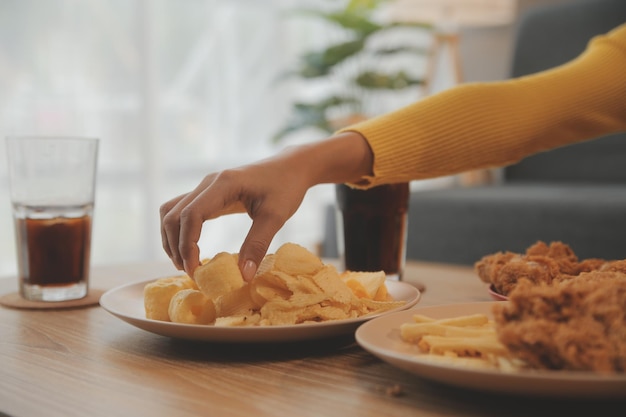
<point x="468" y="320"/>
<point x="415" y="331"/>
<point x="469" y="340"/>
<point x="480" y="346"/>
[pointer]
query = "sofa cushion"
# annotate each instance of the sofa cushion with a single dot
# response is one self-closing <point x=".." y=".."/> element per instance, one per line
<point x="598" y="161"/>
<point x="552" y="34"/>
<point x="548" y="36"/>
<point x="462" y="226"/>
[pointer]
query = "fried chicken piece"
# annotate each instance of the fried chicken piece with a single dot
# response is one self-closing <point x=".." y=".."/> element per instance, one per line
<point x="556" y="250"/>
<point x="577" y="324"/>
<point x="559" y="252"/>
<point x="538" y="270"/>
<point x="540" y="264"/>
<point x="489" y="266"/>
<point x="594" y="264"/>
<point x="616" y="266"/>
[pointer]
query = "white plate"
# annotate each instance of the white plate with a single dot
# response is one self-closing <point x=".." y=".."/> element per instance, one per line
<point x="381" y="337"/>
<point x="126" y="303"/>
<point x="495" y="294"/>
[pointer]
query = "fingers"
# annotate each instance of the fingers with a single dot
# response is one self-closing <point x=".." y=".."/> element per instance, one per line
<point x="169" y="230"/>
<point x="183" y="216"/>
<point x="174" y="214"/>
<point x="261" y="190"/>
<point x="181" y="225"/>
<point x="191" y="220"/>
<point x="256" y="244"/>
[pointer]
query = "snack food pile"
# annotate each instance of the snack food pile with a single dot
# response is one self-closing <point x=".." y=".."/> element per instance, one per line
<point x="561" y="314"/>
<point x="469" y="340"/>
<point x="291" y="286"/>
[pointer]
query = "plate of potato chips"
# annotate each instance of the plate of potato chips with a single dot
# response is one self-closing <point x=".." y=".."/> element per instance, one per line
<point x="457" y="344"/>
<point x="294" y="296"/>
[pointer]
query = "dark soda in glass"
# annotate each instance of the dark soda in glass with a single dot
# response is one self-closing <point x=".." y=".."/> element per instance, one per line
<point x="54" y="249"/>
<point x="372" y="228"/>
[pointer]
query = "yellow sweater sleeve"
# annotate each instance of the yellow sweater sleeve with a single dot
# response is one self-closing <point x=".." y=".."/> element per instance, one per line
<point x="483" y="125"/>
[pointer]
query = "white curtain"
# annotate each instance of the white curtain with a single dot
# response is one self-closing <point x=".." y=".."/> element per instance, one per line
<point x="174" y="89"/>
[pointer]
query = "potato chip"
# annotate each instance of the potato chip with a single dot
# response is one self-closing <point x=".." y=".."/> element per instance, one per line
<point x="235" y="303"/>
<point x="267" y="264"/>
<point x="290" y="287"/>
<point x="219" y="275"/>
<point x="286" y="312"/>
<point x="268" y="286"/>
<point x="299" y="284"/>
<point x="191" y="307"/>
<point x="330" y="312"/>
<point x="365" y="284"/>
<point x="327" y="278"/>
<point x="383" y="294"/>
<point x="233" y="321"/>
<point x="157" y="295"/>
<point x="375" y="305"/>
<point x="296" y="260"/>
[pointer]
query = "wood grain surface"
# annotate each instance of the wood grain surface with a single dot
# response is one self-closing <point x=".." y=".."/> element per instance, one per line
<point x="86" y="362"/>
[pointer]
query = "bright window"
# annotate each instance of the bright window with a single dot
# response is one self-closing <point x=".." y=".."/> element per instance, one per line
<point x="174" y="89"/>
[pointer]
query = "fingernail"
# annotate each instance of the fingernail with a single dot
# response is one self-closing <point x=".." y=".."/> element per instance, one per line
<point x="248" y="270"/>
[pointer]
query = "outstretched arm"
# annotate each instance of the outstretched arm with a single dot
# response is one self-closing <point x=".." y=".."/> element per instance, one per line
<point x="270" y="191"/>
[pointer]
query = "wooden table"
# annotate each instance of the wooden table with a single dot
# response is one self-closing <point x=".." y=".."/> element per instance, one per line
<point x="86" y="362"/>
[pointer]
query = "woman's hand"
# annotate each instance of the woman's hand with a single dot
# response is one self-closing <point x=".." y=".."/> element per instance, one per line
<point x="270" y="191"/>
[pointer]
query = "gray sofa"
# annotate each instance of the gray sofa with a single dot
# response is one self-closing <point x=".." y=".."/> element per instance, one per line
<point x="575" y="194"/>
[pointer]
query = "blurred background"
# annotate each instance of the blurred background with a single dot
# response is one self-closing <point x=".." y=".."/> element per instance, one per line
<point x="177" y="89"/>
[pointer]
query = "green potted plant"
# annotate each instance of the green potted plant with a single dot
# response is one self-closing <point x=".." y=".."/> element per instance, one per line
<point x="360" y="70"/>
<point x="373" y="62"/>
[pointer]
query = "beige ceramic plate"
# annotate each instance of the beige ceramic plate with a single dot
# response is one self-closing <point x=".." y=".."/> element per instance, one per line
<point x="381" y="337"/>
<point x="126" y="303"/>
<point x="495" y="294"/>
